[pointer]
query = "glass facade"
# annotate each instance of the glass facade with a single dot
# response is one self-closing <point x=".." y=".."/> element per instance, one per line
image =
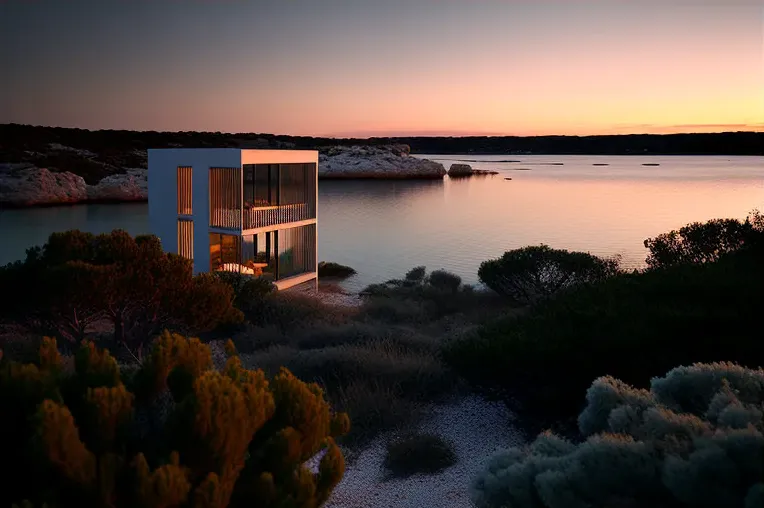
<point x="261" y="185"/>
<point x="278" y="184"/>
<point x="225" y="253"/>
<point x="259" y="254"/>
<point x="264" y="197"/>
<point x="297" y="250"/>
<point x="275" y="255"/>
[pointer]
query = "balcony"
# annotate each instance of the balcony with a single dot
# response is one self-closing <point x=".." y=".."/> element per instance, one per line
<point x="255" y="218"/>
<point x="272" y="195"/>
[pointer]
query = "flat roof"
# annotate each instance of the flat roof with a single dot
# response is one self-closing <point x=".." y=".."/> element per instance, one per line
<point x="248" y="155"/>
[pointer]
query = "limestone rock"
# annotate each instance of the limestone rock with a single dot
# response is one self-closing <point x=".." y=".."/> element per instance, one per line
<point x="460" y="170"/>
<point x="380" y="162"/>
<point x="130" y="186"/>
<point x="26" y="185"/>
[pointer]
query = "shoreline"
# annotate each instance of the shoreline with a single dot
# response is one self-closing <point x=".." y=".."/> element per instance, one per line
<point x="54" y="204"/>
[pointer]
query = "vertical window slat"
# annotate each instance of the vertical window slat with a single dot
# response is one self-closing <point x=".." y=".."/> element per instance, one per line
<point x="184" y="178"/>
<point x="186" y="238"/>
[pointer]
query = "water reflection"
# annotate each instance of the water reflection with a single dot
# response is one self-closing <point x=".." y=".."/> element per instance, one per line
<point x="383" y="228"/>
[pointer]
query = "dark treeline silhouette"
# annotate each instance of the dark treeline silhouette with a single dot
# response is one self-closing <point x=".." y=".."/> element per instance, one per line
<point x="17" y="140"/>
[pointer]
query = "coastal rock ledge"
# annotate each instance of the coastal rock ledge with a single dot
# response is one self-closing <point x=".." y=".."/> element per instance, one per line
<point x="376" y="162"/>
<point x="27" y="185"/>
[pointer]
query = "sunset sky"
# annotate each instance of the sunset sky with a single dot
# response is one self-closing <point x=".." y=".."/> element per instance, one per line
<point x="385" y="67"/>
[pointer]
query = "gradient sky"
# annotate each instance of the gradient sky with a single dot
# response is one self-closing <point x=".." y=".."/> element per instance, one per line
<point x="365" y="67"/>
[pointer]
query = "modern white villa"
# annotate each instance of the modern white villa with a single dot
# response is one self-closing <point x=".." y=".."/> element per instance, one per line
<point x="246" y="211"/>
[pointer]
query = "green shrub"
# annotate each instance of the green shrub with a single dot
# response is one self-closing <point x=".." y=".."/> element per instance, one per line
<point x="416" y="274"/>
<point x="695" y="440"/>
<point x="703" y="242"/>
<point x="179" y="434"/>
<point x="419" y="453"/>
<point x="632" y="326"/>
<point x="393" y="310"/>
<point x="248" y="291"/>
<point x="533" y="273"/>
<point x="386" y="362"/>
<point x="378" y="375"/>
<point x="419" y="298"/>
<point x="287" y="310"/>
<point x="374" y="407"/>
<point x="335" y="270"/>
<point x="447" y="281"/>
<point x="77" y="280"/>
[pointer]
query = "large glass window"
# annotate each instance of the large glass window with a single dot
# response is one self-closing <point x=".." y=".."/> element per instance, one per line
<point x="294" y="184"/>
<point x="297" y="251"/>
<point x="261" y="185"/>
<point x="259" y="255"/>
<point x="224" y="253"/>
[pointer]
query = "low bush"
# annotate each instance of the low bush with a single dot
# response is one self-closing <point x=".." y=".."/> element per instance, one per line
<point x="385" y="362"/>
<point x="248" y="291"/>
<point x="174" y="432"/>
<point x="419" y="453"/>
<point x="695" y="439"/>
<point x="378" y="374"/>
<point x="374" y="407"/>
<point x="632" y="326"/>
<point x="534" y="273"/>
<point x="287" y="311"/>
<point x="419" y="298"/>
<point x="703" y="242"/>
<point x="334" y="270"/>
<point x="445" y="281"/>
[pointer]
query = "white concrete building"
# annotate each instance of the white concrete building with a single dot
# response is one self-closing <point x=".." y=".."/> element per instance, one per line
<point x="230" y="209"/>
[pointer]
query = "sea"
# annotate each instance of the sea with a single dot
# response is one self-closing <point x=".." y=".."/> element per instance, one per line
<point x="606" y="205"/>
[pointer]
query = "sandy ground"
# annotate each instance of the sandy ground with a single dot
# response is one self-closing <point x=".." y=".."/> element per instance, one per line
<point x="329" y="292"/>
<point x="476" y="427"/>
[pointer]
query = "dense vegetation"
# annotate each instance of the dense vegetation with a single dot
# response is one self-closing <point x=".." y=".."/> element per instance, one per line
<point x="381" y="362"/>
<point x="632" y="326"/>
<point x="556" y="321"/>
<point x="701" y="242"/>
<point x="78" y="283"/>
<point x="173" y="433"/>
<point x="695" y="439"/>
<point x="538" y="272"/>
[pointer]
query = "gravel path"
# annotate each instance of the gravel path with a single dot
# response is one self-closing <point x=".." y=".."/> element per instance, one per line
<point x="477" y="429"/>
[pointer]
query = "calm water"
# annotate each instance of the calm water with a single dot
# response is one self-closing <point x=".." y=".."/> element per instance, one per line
<point x="384" y="228"/>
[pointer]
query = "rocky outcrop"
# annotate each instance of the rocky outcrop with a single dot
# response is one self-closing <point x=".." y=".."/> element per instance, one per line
<point x="27" y="185"/>
<point x="460" y="170"/>
<point x="376" y="162"/>
<point x="464" y="170"/>
<point x="130" y="186"/>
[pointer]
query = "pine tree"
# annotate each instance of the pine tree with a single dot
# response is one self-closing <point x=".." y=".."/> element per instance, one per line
<point x="228" y="438"/>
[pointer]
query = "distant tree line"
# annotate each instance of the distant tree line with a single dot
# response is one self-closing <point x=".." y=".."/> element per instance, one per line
<point x="16" y="141"/>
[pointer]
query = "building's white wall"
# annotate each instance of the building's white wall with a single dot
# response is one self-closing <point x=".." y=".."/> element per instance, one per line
<point x="163" y="194"/>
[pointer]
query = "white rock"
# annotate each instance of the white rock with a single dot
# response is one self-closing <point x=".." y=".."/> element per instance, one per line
<point x="130" y="186"/>
<point x="27" y="185"/>
<point x="383" y="162"/>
